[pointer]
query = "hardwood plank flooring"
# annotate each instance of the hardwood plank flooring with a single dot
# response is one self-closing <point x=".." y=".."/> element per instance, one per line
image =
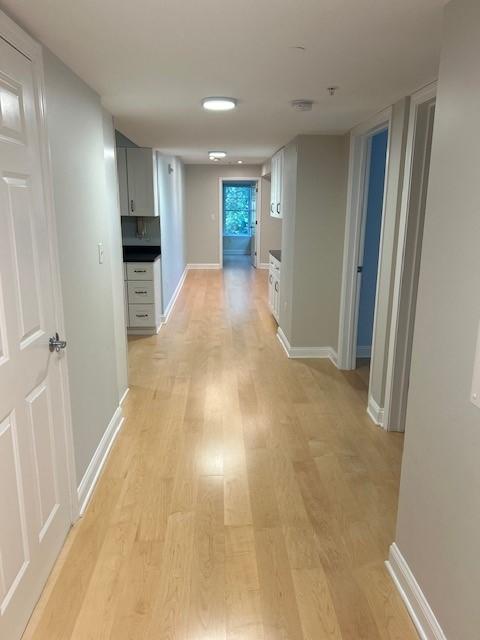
<point x="248" y="496"/>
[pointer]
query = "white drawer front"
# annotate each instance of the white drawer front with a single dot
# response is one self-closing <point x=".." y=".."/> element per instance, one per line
<point x="141" y="315"/>
<point x="140" y="292"/>
<point x="140" y="270"/>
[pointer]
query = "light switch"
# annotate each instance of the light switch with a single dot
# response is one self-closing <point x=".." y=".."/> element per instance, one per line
<point x="475" y="393"/>
<point x="100" y="253"/>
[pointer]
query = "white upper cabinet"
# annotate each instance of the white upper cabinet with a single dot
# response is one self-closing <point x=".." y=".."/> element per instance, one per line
<point x="122" y="181"/>
<point x="137" y="183"/>
<point x="276" y="197"/>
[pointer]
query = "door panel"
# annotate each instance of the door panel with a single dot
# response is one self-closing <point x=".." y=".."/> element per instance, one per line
<point x="34" y="493"/>
<point x="140" y="182"/>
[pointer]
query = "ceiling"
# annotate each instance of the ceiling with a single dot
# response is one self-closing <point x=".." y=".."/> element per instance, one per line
<point x="152" y="62"/>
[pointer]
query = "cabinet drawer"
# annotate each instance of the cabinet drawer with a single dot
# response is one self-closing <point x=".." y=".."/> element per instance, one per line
<point x="140" y="270"/>
<point x="141" y="292"/>
<point x="141" y="315"/>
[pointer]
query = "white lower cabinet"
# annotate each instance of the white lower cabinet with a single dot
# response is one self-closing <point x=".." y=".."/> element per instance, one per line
<point x="274" y="287"/>
<point x="143" y="291"/>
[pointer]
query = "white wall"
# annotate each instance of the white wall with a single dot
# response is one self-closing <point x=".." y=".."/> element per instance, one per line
<point x="202" y="208"/>
<point x="312" y="242"/>
<point x="85" y="196"/>
<point x="438" y="529"/>
<point x="171" y="190"/>
<point x="112" y="220"/>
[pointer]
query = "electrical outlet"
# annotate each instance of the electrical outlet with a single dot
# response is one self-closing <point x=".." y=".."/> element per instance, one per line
<point x="100" y="253"/>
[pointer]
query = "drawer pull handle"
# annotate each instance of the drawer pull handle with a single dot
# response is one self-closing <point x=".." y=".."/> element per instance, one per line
<point x="276" y="286"/>
<point x="270" y="278"/>
<point x="278" y="208"/>
<point x="141" y="292"/>
<point x="141" y="315"/>
<point x="140" y="271"/>
<point x="132" y="206"/>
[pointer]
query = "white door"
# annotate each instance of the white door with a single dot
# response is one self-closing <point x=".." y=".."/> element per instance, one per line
<point x="140" y="182"/>
<point x="34" y="495"/>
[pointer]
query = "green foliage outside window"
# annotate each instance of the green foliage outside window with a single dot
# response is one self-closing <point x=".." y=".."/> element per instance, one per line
<point x="237" y="208"/>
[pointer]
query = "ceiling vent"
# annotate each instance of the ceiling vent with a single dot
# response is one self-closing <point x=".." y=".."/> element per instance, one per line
<point x="302" y="105"/>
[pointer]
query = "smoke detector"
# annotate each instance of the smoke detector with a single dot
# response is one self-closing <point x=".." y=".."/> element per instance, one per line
<point x="302" y="105"/>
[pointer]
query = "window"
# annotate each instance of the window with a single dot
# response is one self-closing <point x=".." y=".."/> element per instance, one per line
<point x="238" y="202"/>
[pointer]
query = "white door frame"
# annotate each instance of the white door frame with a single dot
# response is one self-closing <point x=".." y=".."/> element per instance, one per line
<point x="395" y="384"/>
<point x="32" y="50"/>
<point x="357" y="195"/>
<point x="258" y="181"/>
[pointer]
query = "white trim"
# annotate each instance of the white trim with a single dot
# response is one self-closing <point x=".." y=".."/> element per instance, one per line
<point x="364" y="351"/>
<point x="360" y="139"/>
<point x="392" y="385"/>
<point x="124" y="397"/>
<point x="97" y="463"/>
<point x="413" y="597"/>
<point x="263" y="265"/>
<point x="174" y="297"/>
<point x="258" y="213"/>
<point x="306" y="352"/>
<point x="17" y="37"/>
<point x="375" y="412"/>
<point x="202" y="265"/>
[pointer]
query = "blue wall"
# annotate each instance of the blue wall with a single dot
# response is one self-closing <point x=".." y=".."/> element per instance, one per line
<point x="372" y="239"/>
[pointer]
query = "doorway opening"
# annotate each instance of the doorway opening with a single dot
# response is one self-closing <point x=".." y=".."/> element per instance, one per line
<point x="367" y="268"/>
<point x="239" y="227"/>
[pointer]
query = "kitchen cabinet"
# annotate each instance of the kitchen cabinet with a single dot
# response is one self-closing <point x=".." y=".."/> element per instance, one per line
<point x="137" y="181"/>
<point x="274" y="287"/>
<point x="276" y="191"/>
<point x="143" y="291"/>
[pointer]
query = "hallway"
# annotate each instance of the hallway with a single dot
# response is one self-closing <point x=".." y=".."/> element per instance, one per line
<point x="248" y="496"/>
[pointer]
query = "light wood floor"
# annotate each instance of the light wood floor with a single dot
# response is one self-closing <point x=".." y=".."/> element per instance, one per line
<point x="248" y="497"/>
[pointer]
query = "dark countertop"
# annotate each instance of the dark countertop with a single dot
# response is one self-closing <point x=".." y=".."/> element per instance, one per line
<point x="139" y="253"/>
<point x="276" y="253"/>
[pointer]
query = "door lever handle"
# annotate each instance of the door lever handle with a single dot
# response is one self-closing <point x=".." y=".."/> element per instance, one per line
<point x="55" y="344"/>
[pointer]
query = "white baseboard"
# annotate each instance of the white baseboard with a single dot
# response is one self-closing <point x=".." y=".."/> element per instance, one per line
<point x="415" y="601"/>
<point x="94" y="469"/>
<point x="364" y="352"/>
<point x="124" y="396"/>
<point x="204" y="265"/>
<point x="306" y="352"/>
<point x="375" y="412"/>
<point x="146" y="331"/>
<point x="174" y="297"/>
<point x="263" y="265"/>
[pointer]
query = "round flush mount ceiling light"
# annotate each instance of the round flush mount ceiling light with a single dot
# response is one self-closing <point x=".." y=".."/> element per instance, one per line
<point x="239" y="161"/>
<point x="216" y="155"/>
<point x="219" y="103"/>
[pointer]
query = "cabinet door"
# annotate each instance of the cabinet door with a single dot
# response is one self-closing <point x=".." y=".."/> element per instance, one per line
<point x="141" y="184"/>
<point x="270" y="289"/>
<point x="122" y="181"/>
<point x="279" y="206"/>
<point x="276" y="298"/>
<point x="273" y="186"/>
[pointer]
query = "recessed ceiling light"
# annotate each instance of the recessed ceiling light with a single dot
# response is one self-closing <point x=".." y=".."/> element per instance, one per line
<point x="239" y="161"/>
<point x="219" y="103"/>
<point x="215" y="155"/>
